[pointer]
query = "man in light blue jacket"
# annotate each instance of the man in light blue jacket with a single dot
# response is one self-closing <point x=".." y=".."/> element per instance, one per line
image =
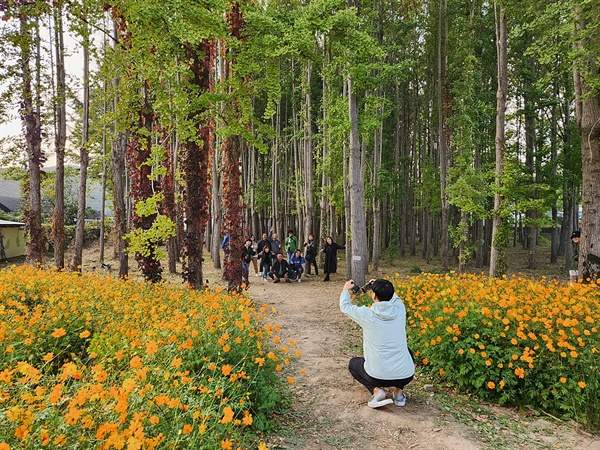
<point x="387" y="362"/>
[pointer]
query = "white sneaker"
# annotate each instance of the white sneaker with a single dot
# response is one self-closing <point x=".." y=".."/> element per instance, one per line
<point x="299" y="280"/>
<point x="257" y="274"/>
<point x="378" y="400"/>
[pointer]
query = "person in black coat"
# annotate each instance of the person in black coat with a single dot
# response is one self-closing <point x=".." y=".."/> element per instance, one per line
<point x="311" y="255"/>
<point x="264" y="242"/>
<point x="330" y="251"/>
<point x="280" y="270"/>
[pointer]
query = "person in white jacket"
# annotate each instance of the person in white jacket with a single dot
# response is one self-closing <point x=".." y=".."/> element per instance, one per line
<point x="387" y="361"/>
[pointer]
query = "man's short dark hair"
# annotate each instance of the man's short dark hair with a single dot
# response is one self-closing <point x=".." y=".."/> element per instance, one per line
<point x="384" y="290"/>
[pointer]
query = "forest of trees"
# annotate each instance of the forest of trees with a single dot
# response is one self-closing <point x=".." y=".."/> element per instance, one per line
<point x="445" y="127"/>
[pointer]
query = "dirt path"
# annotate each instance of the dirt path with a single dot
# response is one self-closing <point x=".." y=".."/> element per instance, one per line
<point x="330" y="409"/>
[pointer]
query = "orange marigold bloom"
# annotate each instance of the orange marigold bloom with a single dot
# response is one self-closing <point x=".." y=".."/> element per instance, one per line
<point x="151" y="348"/>
<point x="520" y="372"/>
<point x="187" y="429"/>
<point x="491" y="385"/>
<point x="84" y="334"/>
<point x="176" y="362"/>
<point x="59" y="332"/>
<point x="581" y="384"/>
<point x="563" y="380"/>
<point x="226" y="369"/>
<point x="291" y="380"/>
<point x="227" y="415"/>
<point x="136" y="362"/>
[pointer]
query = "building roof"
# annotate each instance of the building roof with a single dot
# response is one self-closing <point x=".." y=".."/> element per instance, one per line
<point x="8" y="224"/>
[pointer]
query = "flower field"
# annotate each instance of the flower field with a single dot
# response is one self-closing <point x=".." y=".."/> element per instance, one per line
<point x="512" y="341"/>
<point x="87" y="361"/>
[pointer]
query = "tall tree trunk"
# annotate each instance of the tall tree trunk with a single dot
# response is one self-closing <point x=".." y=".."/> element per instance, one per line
<point x="443" y="141"/>
<point x="308" y="159"/>
<point x="499" y="234"/>
<point x="376" y="202"/>
<point x="32" y="124"/>
<point x="587" y="112"/>
<point x="358" y="222"/>
<point x="195" y="167"/>
<point x="83" y="160"/>
<point x="58" y="217"/>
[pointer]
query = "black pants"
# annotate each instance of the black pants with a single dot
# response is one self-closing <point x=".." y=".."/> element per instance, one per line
<point x="357" y="369"/>
<point x="312" y="261"/>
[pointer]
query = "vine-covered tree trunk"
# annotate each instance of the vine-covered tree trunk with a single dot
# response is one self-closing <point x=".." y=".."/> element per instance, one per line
<point x="195" y="166"/>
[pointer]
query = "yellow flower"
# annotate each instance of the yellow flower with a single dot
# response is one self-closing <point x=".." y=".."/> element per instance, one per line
<point x="581" y="384"/>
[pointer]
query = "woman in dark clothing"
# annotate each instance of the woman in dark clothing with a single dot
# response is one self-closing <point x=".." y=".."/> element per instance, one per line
<point x="330" y="251"/>
<point x="311" y="255"/>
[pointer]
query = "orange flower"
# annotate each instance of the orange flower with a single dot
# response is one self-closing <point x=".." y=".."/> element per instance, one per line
<point x="520" y="372"/>
<point x="247" y="420"/>
<point x="226" y="444"/>
<point x="563" y="380"/>
<point x="581" y="384"/>
<point x="227" y="415"/>
<point x="291" y="380"/>
<point x="491" y="385"/>
<point x="226" y="369"/>
<point x="136" y="362"/>
<point x="84" y="334"/>
<point x="59" y="332"/>
<point x="151" y="348"/>
<point x="154" y="420"/>
<point x="187" y="429"/>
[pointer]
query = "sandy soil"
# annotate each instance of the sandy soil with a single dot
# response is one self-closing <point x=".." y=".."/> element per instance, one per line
<point x="330" y="409"/>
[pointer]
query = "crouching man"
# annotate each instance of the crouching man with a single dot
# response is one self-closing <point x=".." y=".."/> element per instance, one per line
<point x="387" y="362"/>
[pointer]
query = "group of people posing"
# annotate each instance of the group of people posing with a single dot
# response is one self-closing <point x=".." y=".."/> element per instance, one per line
<point x="267" y="257"/>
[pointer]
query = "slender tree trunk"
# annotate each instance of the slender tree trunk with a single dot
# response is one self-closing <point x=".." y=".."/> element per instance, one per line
<point x="58" y="218"/>
<point x="376" y="202"/>
<point x="499" y="236"/>
<point x="83" y="161"/>
<point x="443" y="115"/>
<point x="358" y="222"/>
<point x="308" y="160"/>
<point x="32" y="124"/>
